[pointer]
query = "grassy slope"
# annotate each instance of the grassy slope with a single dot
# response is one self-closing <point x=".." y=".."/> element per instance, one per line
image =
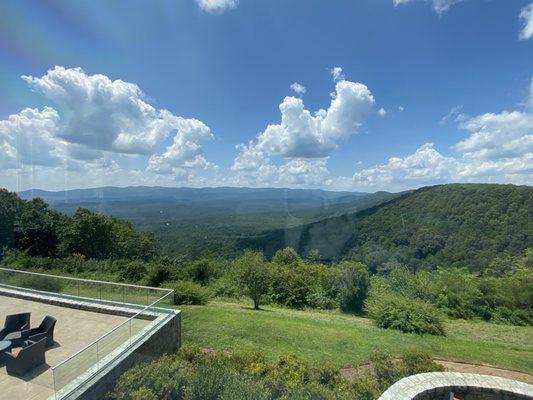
<point x="347" y="340"/>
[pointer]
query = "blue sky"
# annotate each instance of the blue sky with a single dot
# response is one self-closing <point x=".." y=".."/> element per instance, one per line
<point x="162" y="93"/>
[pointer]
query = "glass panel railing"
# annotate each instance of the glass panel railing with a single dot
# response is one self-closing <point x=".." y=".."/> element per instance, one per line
<point x="86" y="288"/>
<point x="146" y="306"/>
<point x="78" y="368"/>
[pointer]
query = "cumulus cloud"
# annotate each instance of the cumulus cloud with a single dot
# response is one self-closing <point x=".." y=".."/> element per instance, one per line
<point x="498" y="148"/>
<point x="298" y="88"/>
<point x="495" y="136"/>
<point x="439" y="6"/>
<point x="526" y="17"/>
<point x="302" y="134"/>
<point x="382" y="112"/>
<point x="401" y="108"/>
<point x="28" y="138"/>
<point x="102" y="114"/>
<point x="426" y="165"/>
<point x="217" y="6"/>
<point x="304" y="139"/>
<point x="185" y="153"/>
<point x="95" y="123"/>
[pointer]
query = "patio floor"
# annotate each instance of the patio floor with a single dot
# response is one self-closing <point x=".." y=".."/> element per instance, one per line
<point x="74" y="330"/>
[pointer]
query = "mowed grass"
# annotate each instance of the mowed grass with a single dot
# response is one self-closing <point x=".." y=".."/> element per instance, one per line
<point x="347" y="340"/>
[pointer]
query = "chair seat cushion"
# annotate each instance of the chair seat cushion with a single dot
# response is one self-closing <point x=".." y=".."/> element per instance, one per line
<point x="14" y="336"/>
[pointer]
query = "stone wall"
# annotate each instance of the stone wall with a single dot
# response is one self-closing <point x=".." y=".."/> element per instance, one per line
<point x="439" y="385"/>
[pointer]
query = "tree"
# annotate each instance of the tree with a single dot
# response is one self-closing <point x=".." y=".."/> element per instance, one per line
<point x="353" y="285"/>
<point x="286" y="256"/>
<point x="97" y="236"/>
<point x="88" y="234"/>
<point x="253" y="273"/>
<point x="37" y="230"/>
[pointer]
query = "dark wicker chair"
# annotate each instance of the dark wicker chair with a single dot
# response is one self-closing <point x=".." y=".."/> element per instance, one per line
<point x="43" y="331"/>
<point x="29" y="357"/>
<point x="14" y="323"/>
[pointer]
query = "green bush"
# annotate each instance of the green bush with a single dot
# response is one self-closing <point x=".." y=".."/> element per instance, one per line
<point x="203" y="271"/>
<point x="406" y="315"/>
<point x="187" y="292"/>
<point x="416" y="362"/>
<point x="209" y="382"/>
<point x="504" y="315"/>
<point x="353" y="285"/>
<point x="161" y="379"/>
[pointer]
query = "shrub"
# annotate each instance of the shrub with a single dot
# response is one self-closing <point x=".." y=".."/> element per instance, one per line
<point x="504" y="315"/>
<point x="161" y="379"/>
<point x="158" y="274"/>
<point x="416" y="362"/>
<point x="240" y="388"/>
<point x="409" y="316"/>
<point x="209" y="382"/>
<point x="187" y="292"/>
<point x="203" y="271"/>
<point x="134" y="271"/>
<point x="286" y="256"/>
<point x="353" y="285"/>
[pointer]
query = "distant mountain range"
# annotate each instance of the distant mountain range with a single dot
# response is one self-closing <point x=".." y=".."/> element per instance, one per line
<point x="207" y="221"/>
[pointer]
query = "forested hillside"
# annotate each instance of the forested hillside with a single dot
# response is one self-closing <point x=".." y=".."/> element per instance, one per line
<point x="465" y="225"/>
<point x="208" y="221"/>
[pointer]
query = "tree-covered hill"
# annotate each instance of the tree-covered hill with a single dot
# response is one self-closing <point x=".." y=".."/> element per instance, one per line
<point x="466" y="225"/>
<point x="208" y="221"/>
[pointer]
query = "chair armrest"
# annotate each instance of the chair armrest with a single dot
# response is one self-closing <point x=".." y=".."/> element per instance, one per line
<point x="37" y="337"/>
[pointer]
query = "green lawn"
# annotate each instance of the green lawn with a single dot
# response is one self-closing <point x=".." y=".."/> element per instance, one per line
<point x="347" y="340"/>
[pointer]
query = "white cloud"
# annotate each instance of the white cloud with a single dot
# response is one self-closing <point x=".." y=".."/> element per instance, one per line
<point x="499" y="148"/>
<point x="301" y="134"/>
<point x="28" y="138"/>
<point x="439" y="6"/>
<point x="217" y="6"/>
<point x="337" y="74"/>
<point x="96" y="125"/>
<point x="305" y="139"/>
<point x="382" y="112"/>
<point x="496" y="136"/>
<point x="453" y="115"/>
<point x="425" y="166"/>
<point x="401" y="108"/>
<point x="102" y="114"/>
<point x="526" y="17"/>
<point x="185" y="153"/>
<point x="298" y="88"/>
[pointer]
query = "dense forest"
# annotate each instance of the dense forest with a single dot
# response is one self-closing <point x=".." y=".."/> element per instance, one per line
<point x="208" y="221"/>
<point x="458" y="225"/>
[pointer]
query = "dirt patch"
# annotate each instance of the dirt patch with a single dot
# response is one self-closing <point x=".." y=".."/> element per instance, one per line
<point x="485" y="369"/>
<point x="454" y="366"/>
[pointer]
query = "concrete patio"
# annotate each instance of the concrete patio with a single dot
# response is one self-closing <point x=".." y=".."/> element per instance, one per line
<point x="74" y="330"/>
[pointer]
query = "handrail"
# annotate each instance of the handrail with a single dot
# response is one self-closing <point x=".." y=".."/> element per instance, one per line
<point x="85" y="280"/>
<point x="111" y="331"/>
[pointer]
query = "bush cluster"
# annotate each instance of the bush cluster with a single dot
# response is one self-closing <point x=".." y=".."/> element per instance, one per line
<point x="406" y="315"/>
<point x="193" y="374"/>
